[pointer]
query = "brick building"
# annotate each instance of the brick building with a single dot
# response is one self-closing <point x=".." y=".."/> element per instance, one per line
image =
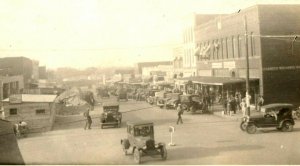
<point x="273" y="49"/>
<point x="12" y="66"/>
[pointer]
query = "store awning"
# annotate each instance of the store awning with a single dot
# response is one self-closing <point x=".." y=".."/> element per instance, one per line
<point x="215" y="80"/>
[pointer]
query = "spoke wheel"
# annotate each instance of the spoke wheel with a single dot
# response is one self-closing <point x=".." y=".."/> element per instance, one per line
<point x="137" y="156"/>
<point x="243" y="126"/>
<point x="287" y="126"/>
<point x="163" y="152"/>
<point x="251" y="129"/>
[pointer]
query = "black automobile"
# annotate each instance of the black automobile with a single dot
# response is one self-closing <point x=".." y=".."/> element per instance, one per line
<point x="172" y="100"/>
<point x="277" y="115"/>
<point x="151" y="96"/>
<point x="111" y="115"/>
<point x="192" y="103"/>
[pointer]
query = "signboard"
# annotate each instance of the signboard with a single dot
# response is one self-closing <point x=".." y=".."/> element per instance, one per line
<point x="230" y="65"/>
<point x="15" y="99"/>
<point x="171" y="129"/>
<point x="216" y="65"/>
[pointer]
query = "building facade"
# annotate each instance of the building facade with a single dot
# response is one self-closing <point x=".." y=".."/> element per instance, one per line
<point x="10" y="85"/>
<point x="190" y="22"/>
<point x="38" y="111"/>
<point x="13" y="66"/>
<point x="273" y="50"/>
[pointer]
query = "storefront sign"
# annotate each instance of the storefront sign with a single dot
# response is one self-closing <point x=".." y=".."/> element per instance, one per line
<point x="216" y="65"/>
<point x="230" y="65"/>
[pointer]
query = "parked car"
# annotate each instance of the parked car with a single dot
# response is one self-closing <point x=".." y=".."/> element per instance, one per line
<point x="193" y="103"/>
<point x="161" y="98"/>
<point x="151" y="96"/>
<point x="277" y="115"/>
<point x="122" y="95"/>
<point x="111" y="115"/>
<point x="103" y="92"/>
<point x="172" y="100"/>
<point x="140" y="138"/>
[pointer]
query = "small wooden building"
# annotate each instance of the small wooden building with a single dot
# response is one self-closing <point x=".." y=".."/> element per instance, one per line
<point x="38" y="111"/>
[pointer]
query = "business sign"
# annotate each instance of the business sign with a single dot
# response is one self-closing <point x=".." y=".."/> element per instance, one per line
<point x="216" y="65"/>
<point x="15" y="99"/>
<point x="229" y="65"/>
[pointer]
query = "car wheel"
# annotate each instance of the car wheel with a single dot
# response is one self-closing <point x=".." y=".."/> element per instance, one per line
<point x="137" y="156"/>
<point x="251" y="129"/>
<point x="125" y="146"/>
<point x="101" y="126"/>
<point x="287" y="126"/>
<point x="298" y="114"/>
<point x="163" y="152"/>
<point x="243" y="126"/>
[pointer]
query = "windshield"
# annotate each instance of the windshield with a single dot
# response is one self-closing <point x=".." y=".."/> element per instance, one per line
<point x="143" y="131"/>
<point x="110" y="108"/>
<point x="196" y="98"/>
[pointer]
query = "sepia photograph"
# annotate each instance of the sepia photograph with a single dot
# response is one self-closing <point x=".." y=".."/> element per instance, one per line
<point x="149" y="82"/>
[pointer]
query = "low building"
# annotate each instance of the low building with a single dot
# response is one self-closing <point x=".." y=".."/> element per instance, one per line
<point x="38" y="111"/>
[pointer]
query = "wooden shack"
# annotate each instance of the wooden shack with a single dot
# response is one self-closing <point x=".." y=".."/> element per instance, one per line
<point x="38" y="111"/>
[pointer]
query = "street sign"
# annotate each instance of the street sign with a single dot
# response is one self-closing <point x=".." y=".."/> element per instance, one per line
<point x="171" y="130"/>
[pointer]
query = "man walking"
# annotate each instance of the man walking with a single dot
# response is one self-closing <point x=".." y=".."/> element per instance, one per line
<point x="88" y="121"/>
<point x="260" y="102"/>
<point x="180" y="112"/>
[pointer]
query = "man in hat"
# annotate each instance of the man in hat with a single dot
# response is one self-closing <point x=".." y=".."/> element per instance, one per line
<point x="180" y="112"/>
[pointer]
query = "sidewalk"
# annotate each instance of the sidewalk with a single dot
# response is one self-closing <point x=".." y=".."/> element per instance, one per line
<point x="217" y="110"/>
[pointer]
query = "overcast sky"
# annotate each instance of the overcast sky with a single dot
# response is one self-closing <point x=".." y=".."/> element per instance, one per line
<point x="84" y="33"/>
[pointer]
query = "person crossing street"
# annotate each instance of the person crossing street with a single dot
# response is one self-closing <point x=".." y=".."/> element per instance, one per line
<point x="180" y="112"/>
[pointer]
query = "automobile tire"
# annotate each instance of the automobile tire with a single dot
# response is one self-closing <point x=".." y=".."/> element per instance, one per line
<point x="243" y="126"/>
<point x="125" y="146"/>
<point x="164" y="153"/>
<point x="251" y="129"/>
<point x="101" y="126"/>
<point x="137" y="156"/>
<point x="287" y="126"/>
<point x="298" y="114"/>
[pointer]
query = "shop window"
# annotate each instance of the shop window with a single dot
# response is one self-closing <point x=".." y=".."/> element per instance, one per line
<point x="40" y="111"/>
<point x="13" y="111"/>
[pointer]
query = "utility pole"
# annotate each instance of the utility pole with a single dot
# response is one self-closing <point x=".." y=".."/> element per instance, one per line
<point x="247" y="68"/>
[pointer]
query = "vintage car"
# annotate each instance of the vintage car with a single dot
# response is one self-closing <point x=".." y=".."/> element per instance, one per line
<point x="103" y="92"/>
<point x="192" y="103"/>
<point x="277" y="115"/>
<point x="172" y="101"/>
<point x="161" y="98"/>
<point x="151" y="96"/>
<point x="122" y="95"/>
<point x="140" y="139"/>
<point x="111" y="115"/>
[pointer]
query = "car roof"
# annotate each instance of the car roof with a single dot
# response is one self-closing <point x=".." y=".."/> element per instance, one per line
<point x="278" y="105"/>
<point x="135" y="123"/>
<point x="107" y="104"/>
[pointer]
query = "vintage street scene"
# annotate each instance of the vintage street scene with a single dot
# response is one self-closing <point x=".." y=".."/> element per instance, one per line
<point x="150" y="82"/>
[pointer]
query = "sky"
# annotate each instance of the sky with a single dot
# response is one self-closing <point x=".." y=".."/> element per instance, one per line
<point x="101" y="33"/>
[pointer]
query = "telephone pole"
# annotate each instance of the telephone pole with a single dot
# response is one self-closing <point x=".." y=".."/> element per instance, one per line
<point x="247" y="68"/>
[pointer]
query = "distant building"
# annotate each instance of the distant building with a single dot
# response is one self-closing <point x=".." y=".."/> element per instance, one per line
<point x="10" y="85"/>
<point x="42" y="72"/>
<point x="273" y="49"/>
<point x="190" y="22"/>
<point x="13" y="66"/>
<point x="38" y="111"/>
<point x="141" y="65"/>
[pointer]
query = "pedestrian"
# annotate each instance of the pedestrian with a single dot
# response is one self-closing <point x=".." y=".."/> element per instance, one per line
<point x="243" y="106"/>
<point x="225" y="105"/>
<point x="180" y="112"/>
<point x="88" y="121"/>
<point x="260" y="102"/>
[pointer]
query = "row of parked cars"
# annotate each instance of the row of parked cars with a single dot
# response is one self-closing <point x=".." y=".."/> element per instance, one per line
<point x="169" y="100"/>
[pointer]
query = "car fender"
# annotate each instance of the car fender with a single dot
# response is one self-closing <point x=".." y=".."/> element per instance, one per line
<point x="251" y="123"/>
<point x="126" y="143"/>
